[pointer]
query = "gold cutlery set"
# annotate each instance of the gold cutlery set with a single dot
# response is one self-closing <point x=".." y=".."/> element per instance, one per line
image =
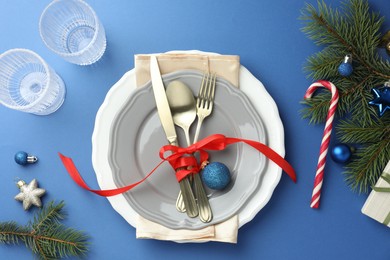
<point x="176" y="106"/>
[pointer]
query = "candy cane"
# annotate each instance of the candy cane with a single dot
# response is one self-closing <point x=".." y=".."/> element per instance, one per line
<point x="315" y="199"/>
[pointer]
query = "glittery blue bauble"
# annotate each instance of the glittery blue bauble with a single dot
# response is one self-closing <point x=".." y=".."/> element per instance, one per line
<point x="21" y="158"/>
<point x="216" y="176"/>
<point x="341" y="153"/>
<point x="345" y="69"/>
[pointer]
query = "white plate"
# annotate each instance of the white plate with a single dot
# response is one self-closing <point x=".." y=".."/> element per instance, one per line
<point x="254" y="90"/>
<point x="136" y="137"/>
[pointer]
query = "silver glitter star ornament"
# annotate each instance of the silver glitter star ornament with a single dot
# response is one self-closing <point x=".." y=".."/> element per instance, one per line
<point x="29" y="194"/>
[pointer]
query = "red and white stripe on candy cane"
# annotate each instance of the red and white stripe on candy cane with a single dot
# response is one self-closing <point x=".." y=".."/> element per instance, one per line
<point x="315" y="199"/>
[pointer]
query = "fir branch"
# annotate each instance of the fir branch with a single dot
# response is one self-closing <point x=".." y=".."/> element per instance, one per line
<point x="341" y="35"/>
<point x="357" y="32"/>
<point x="355" y="133"/>
<point x="12" y="233"/>
<point x="363" y="172"/>
<point x="354" y="29"/>
<point x="65" y="242"/>
<point x="324" y="64"/>
<point x="371" y="157"/>
<point x="318" y="107"/>
<point x="45" y="235"/>
<point x="50" y="215"/>
<point x="323" y="27"/>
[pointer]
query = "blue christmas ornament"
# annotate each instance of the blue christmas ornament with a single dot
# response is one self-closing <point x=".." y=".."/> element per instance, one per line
<point x="345" y="69"/>
<point x="24" y="158"/>
<point x="216" y="176"/>
<point x="381" y="98"/>
<point x="341" y="153"/>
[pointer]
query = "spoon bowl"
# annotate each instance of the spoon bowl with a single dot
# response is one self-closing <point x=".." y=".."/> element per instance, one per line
<point x="183" y="106"/>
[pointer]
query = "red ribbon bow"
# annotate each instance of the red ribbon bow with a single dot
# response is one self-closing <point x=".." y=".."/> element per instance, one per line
<point x="183" y="164"/>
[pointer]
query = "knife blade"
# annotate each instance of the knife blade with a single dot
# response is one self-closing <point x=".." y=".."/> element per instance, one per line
<point x="165" y="115"/>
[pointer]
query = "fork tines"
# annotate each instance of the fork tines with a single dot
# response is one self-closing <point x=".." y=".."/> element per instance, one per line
<point x="207" y="91"/>
<point x="205" y="100"/>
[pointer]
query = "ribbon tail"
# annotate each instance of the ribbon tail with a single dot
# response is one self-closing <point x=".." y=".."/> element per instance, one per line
<point x="75" y="175"/>
<point x="214" y="142"/>
<point x="272" y="155"/>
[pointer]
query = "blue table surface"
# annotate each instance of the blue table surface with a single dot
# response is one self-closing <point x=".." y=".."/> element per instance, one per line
<point x="267" y="36"/>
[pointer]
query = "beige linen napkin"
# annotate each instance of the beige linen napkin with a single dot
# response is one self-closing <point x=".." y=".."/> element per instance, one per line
<point x="226" y="66"/>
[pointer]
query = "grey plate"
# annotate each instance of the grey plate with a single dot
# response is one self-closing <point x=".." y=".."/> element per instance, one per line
<point x="136" y="137"/>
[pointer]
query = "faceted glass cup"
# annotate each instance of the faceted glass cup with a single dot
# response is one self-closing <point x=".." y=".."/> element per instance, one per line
<point x="28" y="84"/>
<point x="71" y="29"/>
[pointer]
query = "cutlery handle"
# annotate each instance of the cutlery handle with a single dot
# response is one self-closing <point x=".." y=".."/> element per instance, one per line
<point x="180" y="203"/>
<point x="197" y="131"/>
<point x="204" y="209"/>
<point x="205" y="213"/>
<point x="180" y="206"/>
<point x="188" y="198"/>
<point x="186" y="193"/>
<point x="187" y="134"/>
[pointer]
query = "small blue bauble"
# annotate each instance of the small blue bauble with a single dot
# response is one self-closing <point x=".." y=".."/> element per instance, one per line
<point x="216" y="176"/>
<point x="24" y="158"/>
<point x="21" y="158"/>
<point x="341" y="153"/>
<point x="345" y="69"/>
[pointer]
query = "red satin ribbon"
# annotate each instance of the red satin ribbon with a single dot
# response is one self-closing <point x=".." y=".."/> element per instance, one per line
<point x="179" y="159"/>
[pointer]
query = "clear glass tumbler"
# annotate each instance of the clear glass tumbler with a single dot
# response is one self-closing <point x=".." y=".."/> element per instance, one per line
<point x="71" y="29"/>
<point x="28" y="84"/>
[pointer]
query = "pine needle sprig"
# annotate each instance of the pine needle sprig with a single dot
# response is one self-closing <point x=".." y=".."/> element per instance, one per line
<point x="363" y="172"/>
<point x="372" y="154"/>
<point x="354" y="132"/>
<point x="323" y="65"/>
<point x="45" y="235"/>
<point x="11" y="232"/>
<point x="49" y="215"/>
<point x="353" y="29"/>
